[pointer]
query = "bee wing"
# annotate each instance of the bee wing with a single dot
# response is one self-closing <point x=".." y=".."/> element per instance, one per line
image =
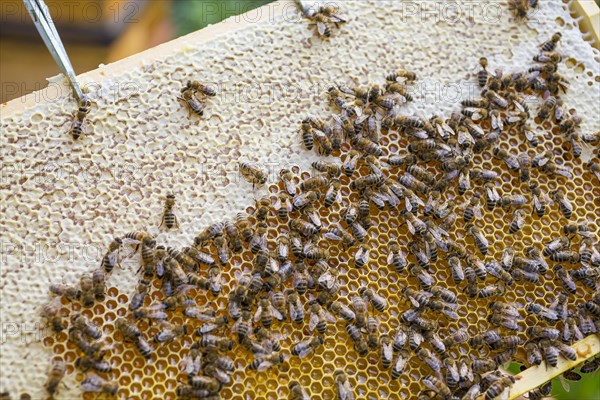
<point x="328" y="316"/>
<point x="290" y="186"/>
<point x="293" y="312"/>
<point x="344" y="391"/>
<point x="332" y="236"/>
<point x="465" y="137"/>
<point x="390" y="257"/>
<point x="305" y="351"/>
<point x="477" y="212"/>
<point x="450" y="313"/>
<point x="258" y="313"/>
<point x="313" y="321"/>
<point x="236" y="325"/>
<point x="130" y="241"/>
<point x="565" y="385"/>
<point x="275" y="313"/>
<point x="113" y="257"/>
<point x="546" y="198"/>
<point x="326" y="280"/>
<point x="321" y="28"/>
<point x="388" y="351"/>
<point x="359" y="253"/>
<point x="411" y="228"/>
<point x="414" y="301"/>
<point x="264" y="365"/>
<point x="160" y="268"/>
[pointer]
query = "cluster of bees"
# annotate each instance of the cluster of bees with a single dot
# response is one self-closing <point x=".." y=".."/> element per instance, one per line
<point x="295" y="276"/>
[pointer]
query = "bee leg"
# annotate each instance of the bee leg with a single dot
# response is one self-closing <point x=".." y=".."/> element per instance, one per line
<point x="185" y="103"/>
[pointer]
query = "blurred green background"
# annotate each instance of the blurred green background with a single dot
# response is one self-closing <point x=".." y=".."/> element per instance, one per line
<point x="588" y="388"/>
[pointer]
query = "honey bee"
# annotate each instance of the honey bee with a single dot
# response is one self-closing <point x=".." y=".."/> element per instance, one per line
<point x="397" y="258"/>
<point x="515" y="201"/>
<point x="488" y="337"/>
<point x="564" y="205"/>
<point x="571" y="257"/>
<point x="344" y="389"/>
<point x="243" y="326"/>
<point x="362" y="256"/>
<point x="360" y="344"/>
<point x="222" y="250"/>
<point x="511" y="161"/>
<point x="590" y="366"/>
<point x="263" y="363"/>
<point x="534" y="355"/>
<point x="56" y="373"/>
<point x="401" y="73"/>
<point x="253" y="174"/>
<point x="524" y="167"/>
<point x="361" y="311"/>
<point x="95" y="350"/>
<point x="86" y="283"/>
<point x="295" y="306"/>
<point x="482" y="74"/>
<point x="350" y="162"/>
<point x="480" y="175"/>
<point x="152" y="313"/>
<point x="69" y="292"/>
<point x="211" y="325"/>
<point x="537" y="332"/>
<point x="307" y="346"/>
<point x="366" y="146"/>
<point x="86" y="363"/>
<point x="333" y="193"/>
<point x="189" y="99"/>
<point x="413" y="183"/>
<point x="199" y="87"/>
<point x="425" y="279"/>
<point x="169" y="332"/>
<point x="496" y="270"/>
<point x="303" y="200"/>
<point x="319" y="318"/>
<point x="472" y="209"/>
<point x="372" y="332"/>
<point x="518" y="221"/>
<point x="500" y="385"/>
<point x="482" y="365"/>
<point x="491" y="291"/>
<point x="438" y="386"/>
<point x="506" y="321"/>
<point x="300" y="280"/>
<point x="169" y="219"/>
<point x="266" y="312"/>
<point x="456" y="268"/>
<point x="221" y="343"/>
<point x="111" y="258"/>
<point x="378" y="302"/>
<point x="297" y="392"/>
<point x="82" y="324"/>
<point x="343" y="311"/>
<point x="314" y="182"/>
<point x="480" y="240"/>
<point x="464" y="182"/>
<point x="94" y="383"/>
<point x="550" y="45"/>
<point x="565" y="278"/>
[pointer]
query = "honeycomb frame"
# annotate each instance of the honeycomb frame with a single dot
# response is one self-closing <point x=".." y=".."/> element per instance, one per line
<point x="299" y="368"/>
